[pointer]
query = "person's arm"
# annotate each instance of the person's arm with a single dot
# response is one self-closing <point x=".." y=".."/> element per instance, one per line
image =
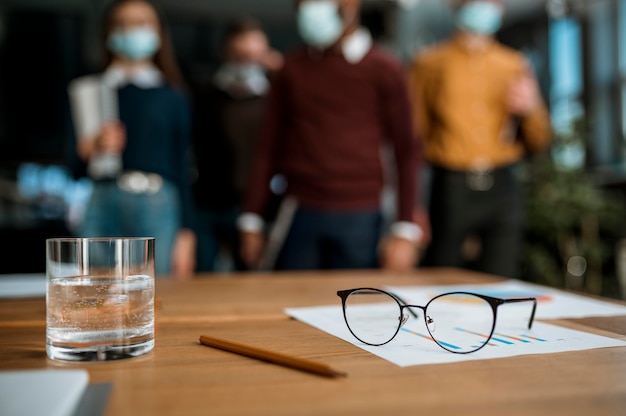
<point x="184" y="250"/>
<point x="419" y="94"/>
<point x="184" y="254"/>
<point x="251" y="223"/>
<point x="526" y="103"/>
<point x="96" y="130"/>
<point x="417" y="85"/>
<point x="399" y="251"/>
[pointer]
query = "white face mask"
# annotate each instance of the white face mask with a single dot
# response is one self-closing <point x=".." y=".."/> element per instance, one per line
<point x="242" y="80"/>
<point x="481" y="17"/>
<point x="319" y="23"/>
<point x="135" y="44"/>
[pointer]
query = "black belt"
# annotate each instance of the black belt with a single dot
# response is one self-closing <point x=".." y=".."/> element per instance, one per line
<point x="482" y="179"/>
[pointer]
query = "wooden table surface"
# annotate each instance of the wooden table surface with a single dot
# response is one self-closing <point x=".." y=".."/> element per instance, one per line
<point x="182" y="377"/>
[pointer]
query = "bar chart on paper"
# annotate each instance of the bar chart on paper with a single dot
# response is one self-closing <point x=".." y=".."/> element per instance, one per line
<point x="498" y="338"/>
<point x="414" y="346"/>
<point x="506" y="342"/>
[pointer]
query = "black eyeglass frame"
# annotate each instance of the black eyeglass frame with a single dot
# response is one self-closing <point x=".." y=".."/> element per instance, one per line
<point x="492" y="301"/>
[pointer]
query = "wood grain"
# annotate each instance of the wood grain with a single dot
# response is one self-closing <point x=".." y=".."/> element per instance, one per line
<point x="182" y="377"/>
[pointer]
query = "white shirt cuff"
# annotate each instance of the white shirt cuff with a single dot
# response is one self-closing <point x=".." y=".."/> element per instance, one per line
<point x="407" y="230"/>
<point x="250" y="222"/>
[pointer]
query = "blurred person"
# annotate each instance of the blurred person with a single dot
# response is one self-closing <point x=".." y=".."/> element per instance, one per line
<point x="227" y="120"/>
<point x="132" y="125"/>
<point x="334" y="103"/>
<point x="478" y="108"/>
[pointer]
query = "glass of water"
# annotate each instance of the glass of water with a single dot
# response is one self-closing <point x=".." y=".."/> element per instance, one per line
<point x="99" y="298"/>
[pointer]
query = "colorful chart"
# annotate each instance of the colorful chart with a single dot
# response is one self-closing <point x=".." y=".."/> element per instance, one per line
<point x="498" y="338"/>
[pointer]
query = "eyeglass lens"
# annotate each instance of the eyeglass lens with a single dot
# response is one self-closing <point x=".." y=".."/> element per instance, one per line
<point x="373" y="317"/>
<point x="458" y="322"/>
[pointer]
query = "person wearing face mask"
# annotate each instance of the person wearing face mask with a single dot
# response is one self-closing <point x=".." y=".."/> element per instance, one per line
<point x="478" y="108"/>
<point x="336" y="101"/>
<point x="132" y="131"/>
<point x="227" y="119"/>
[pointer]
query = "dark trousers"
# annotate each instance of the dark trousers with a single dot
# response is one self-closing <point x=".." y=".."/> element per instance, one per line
<point x="331" y="240"/>
<point x="491" y="211"/>
<point x="217" y="230"/>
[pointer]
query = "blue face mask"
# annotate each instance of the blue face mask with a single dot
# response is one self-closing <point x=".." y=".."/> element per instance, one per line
<point x="481" y="17"/>
<point x="134" y="44"/>
<point x="319" y="23"/>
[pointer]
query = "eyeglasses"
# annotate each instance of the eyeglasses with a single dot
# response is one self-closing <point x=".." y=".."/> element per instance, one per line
<point x="459" y="322"/>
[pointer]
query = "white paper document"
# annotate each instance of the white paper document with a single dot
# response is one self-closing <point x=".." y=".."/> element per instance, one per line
<point x="413" y="345"/>
<point x="22" y="285"/>
<point x="41" y="392"/>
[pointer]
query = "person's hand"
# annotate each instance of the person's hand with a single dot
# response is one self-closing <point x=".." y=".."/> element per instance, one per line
<point x="184" y="255"/>
<point x="421" y="218"/>
<point x="398" y="254"/>
<point x="272" y="60"/>
<point x="252" y="247"/>
<point x="524" y="95"/>
<point x="112" y="138"/>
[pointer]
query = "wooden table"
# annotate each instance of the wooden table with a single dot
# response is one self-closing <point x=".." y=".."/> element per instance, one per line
<point x="182" y="377"/>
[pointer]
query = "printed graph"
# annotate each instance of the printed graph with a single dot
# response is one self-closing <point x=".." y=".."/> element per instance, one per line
<point x="414" y="346"/>
<point x="498" y="338"/>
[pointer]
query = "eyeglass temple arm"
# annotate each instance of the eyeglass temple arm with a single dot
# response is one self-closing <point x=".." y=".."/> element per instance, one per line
<point x="532" y="314"/>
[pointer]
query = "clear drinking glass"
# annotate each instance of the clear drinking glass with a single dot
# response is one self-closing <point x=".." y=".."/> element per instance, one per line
<point x="99" y="298"/>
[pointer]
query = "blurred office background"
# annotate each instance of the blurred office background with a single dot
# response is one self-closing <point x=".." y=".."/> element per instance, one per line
<point x="577" y="48"/>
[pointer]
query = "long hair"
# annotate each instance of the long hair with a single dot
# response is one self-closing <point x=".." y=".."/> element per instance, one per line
<point x="164" y="59"/>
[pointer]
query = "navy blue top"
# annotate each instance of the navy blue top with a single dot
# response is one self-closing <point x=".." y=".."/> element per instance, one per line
<point x="158" y="138"/>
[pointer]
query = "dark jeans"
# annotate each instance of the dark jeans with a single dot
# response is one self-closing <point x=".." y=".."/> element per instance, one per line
<point x="331" y="240"/>
<point x="494" y="216"/>
<point x="216" y="230"/>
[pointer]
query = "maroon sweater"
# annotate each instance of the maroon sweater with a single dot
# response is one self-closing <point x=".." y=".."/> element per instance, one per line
<point x="326" y="123"/>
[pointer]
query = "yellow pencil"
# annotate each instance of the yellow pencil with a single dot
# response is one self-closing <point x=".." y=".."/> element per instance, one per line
<point x="272" y="356"/>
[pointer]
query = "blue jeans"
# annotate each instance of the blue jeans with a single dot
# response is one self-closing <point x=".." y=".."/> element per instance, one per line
<point x="331" y="240"/>
<point x="112" y="212"/>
